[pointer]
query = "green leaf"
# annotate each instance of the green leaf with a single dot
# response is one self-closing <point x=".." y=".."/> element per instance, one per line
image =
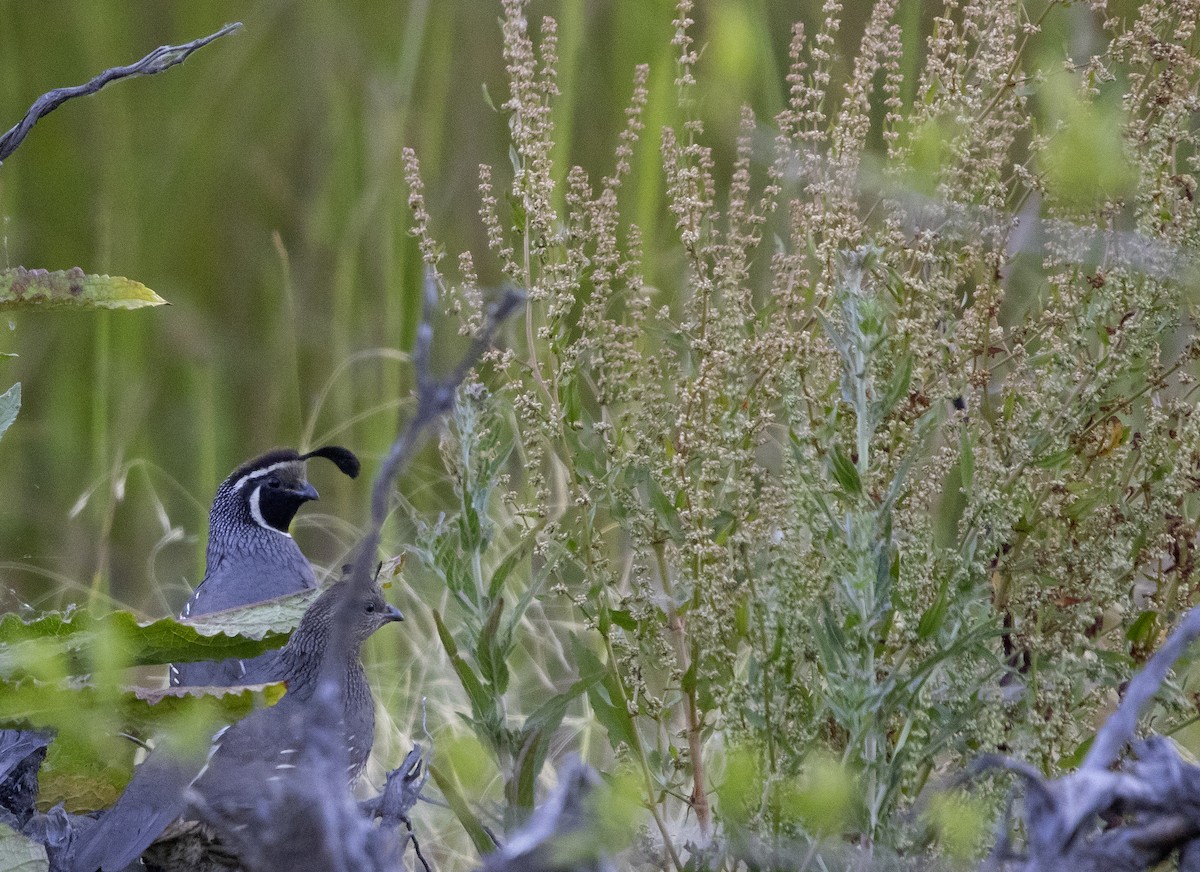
<point x="966" y="461"/>
<point x="1144" y="628"/>
<point x="89" y="762"/>
<point x="62" y="643"/>
<point x="624" y="619"/>
<point x="1075" y="758"/>
<point x="934" y="617"/>
<point x="507" y="565"/>
<point x="458" y="804"/>
<point x="605" y="696"/>
<point x="19" y="853"/>
<point x="1084" y="505"/>
<point x="10" y="404"/>
<point x="260" y="621"/>
<point x="539" y="729"/>
<point x="531" y="753"/>
<point x="664" y="508"/>
<point x="482" y="705"/>
<point x="1056" y="460"/>
<point x="492" y="649"/>
<point x="845" y="473"/>
<point x="897" y="388"/>
<point x="1085" y="161"/>
<point x="22" y="288"/>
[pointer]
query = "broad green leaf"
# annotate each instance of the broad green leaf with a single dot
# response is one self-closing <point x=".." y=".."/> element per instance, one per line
<point x="1085" y="161"/>
<point x="538" y="731"/>
<point x="89" y="762"/>
<point x="1087" y="502"/>
<point x="605" y="696"/>
<point x="825" y="799"/>
<point x="1144" y="628"/>
<point x="491" y="651"/>
<point x="624" y="619"/>
<point x="1056" y="460"/>
<point x="22" y="288"/>
<point x="496" y="585"/>
<point x="20" y="854"/>
<point x="664" y="509"/>
<point x="519" y="791"/>
<point x="63" y="643"/>
<point x="10" y="404"/>
<point x="259" y="621"/>
<point x="931" y="145"/>
<point x="961" y="822"/>
<point x="934" y="617"/>
<point x="897" y="388"/>
<point x="741" y="789"/>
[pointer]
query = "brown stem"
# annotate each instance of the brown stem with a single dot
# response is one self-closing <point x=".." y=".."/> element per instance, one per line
<point x="678" y="630"/>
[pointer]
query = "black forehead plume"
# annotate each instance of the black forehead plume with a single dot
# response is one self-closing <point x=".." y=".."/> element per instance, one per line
<point x="342" y="458"/>
<point x="278" y="455"/>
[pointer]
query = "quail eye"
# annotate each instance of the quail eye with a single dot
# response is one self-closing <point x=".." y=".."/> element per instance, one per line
<point x="370" y="607"/>
<point x="273" y="482"/>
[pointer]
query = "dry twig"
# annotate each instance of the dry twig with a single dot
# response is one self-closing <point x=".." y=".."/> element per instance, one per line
<point x="162" y="58"/>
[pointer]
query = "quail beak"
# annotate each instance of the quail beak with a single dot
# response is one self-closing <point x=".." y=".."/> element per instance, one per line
<point x="306" y="493"/>
<point x="392" y="613"/>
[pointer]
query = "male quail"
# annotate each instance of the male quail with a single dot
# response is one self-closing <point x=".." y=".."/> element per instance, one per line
<point x="244" y="756"/>
<point x="251" y="556"/>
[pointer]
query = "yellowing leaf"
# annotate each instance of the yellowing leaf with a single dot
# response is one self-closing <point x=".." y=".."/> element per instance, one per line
<point x="22" y="288"/>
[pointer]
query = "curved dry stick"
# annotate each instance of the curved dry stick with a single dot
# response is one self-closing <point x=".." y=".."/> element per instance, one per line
<point x="162" y="58"/>
<point x="1119" y="729"/>
<point x="326" y="748"/>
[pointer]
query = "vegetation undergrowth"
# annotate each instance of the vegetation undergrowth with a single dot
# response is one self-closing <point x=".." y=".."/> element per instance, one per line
<point x="898" y="473"/>
<point x="867" y="448"/>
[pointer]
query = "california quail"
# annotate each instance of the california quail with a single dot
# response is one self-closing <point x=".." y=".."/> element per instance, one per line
<point x="251" y="556"/>
<point x="244" y="756"/>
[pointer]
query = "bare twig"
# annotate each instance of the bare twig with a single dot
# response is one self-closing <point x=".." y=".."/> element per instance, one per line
<point x="160" y="59"/>
<point x="400" y="792"/>
<point x="1119" y="729"/>
<point x="325" y="748"/>
<point x="1154" y="793"/>
<point x="435" y="397"/>
<point x="305" y="817"/>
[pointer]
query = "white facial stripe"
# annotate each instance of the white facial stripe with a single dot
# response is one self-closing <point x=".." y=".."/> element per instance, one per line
<point x="259" y="473"/>
<point x="257" y="515"/>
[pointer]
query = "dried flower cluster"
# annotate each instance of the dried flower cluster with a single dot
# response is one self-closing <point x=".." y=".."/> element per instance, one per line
<point x="909" y="470"/>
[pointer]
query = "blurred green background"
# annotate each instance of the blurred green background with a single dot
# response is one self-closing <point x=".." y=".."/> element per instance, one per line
<point x="258" y="188"/>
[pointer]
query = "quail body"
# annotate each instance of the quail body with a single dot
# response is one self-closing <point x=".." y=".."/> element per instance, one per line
<point x="244" y="756"/>
<point x="251" y="556"/>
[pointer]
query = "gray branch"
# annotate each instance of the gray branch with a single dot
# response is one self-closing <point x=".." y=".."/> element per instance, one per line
<point x="1104" y="816"/>
<point x="435" y="397"/>
<point x="307" y="821"/>
<point x="157" y="61"/>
